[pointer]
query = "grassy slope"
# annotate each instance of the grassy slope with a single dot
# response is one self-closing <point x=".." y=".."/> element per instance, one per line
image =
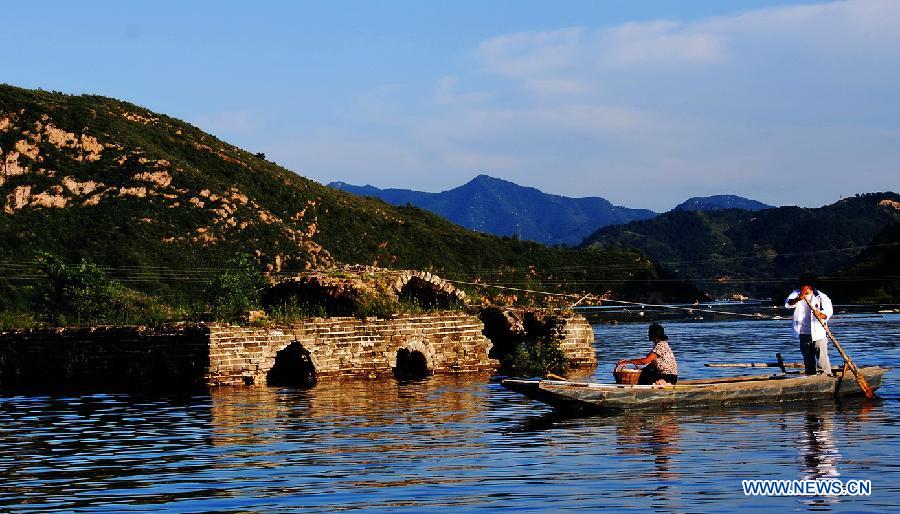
<point x="286" y="221"/>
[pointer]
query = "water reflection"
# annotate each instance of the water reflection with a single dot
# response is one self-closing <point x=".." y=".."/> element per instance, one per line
<point x="655" y="435"/>
<point x="351" y="412"/>
<point x="446" y="442"/>
<point x="820" y="453"/>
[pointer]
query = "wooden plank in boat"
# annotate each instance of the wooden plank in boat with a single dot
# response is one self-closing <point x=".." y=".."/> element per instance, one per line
<point x="743" y="378"/>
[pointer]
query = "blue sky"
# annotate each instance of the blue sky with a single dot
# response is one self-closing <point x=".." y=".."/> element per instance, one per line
<point x="644" y="103"/>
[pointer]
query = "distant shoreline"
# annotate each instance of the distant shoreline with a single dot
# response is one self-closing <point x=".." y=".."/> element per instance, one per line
<point x="598" y="315"/>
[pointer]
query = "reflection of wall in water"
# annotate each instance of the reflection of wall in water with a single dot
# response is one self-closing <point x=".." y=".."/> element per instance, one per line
<point x="331" y="416"/>
<point x="654" y="435"/>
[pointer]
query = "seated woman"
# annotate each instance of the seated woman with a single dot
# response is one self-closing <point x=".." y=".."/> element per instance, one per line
<point x="660" y="367"/>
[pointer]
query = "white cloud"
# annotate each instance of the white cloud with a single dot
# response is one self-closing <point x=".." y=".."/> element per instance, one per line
<point x="447" y="93"/>
<point x="558" y="86"/>
<point x="730" y="100"/>
<point x="649" y="113"/>
<point x="658" y="43"/>
<point x="525" y="54"/>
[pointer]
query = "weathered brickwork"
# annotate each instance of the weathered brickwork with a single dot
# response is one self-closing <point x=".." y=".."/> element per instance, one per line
<point x="577" y="341"/>
<point x="220" y="354"/>
<point x="349" y="347"/>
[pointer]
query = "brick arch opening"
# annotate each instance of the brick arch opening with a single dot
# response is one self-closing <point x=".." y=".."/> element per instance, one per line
<point x="411" y="364"/>
<point x="430" y="294"/>
<point x="294" y="367"/>
<point x="414" y="359"/>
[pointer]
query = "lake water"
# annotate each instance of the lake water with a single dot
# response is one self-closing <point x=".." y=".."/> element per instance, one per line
<point x="460" y="443"/>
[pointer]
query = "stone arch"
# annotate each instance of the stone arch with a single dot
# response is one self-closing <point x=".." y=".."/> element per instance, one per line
<point x="428" y="290"/>
<point x="411" y="365"/>
<point x="414" y="359"/>
<point x="311" y="296"/>
<point x="294" y="367"/>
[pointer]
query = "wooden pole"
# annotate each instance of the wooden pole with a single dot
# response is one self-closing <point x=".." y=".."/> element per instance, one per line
<point x="847" y="360"/>
<point x="583" y="298"/>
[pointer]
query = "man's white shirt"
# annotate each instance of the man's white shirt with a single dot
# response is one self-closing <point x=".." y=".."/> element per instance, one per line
<point x="803" y="319"/>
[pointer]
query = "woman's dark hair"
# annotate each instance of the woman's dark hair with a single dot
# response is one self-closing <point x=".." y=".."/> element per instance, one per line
<point x="657" y="332"/>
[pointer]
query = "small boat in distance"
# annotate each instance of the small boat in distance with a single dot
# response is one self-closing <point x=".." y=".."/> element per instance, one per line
<point x="711" y="392"/>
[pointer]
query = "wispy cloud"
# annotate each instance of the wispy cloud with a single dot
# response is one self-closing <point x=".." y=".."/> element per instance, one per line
<point x="755" y="103"/>
<point x="447" y="93"/>
<point x="658" y="43"/>
<point x="526" y="54"/>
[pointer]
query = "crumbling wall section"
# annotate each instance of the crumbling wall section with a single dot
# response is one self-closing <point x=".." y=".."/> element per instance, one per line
<point x="508" y="326"/>
<point x="350" y="347"/>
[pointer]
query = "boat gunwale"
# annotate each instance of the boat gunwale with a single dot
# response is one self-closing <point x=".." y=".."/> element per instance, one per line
<point x="688" y="384"/>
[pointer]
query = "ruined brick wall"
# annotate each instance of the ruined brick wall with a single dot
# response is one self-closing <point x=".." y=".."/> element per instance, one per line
<point x="349" y="347"/>
<point x="509" y="326"/>
<point x="578" y="341"/>
<point x="220" y="354"/>
<point x="64" y="357"/>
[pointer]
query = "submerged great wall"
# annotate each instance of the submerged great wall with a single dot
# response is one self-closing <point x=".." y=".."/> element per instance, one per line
<point x="298" y="354"/>
<point x="449" y="337"/>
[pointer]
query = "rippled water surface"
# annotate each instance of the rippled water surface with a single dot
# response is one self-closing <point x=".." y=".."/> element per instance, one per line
<point x="459" y="442"/>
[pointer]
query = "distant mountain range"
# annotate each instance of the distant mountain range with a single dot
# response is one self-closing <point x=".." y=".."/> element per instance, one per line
<point x="503" y="208"/>
<point x="720" y="202"/>
<point x="500" y="207"/>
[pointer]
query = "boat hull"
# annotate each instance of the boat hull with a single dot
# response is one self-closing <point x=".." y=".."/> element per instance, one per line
<point x="723" y="392"/>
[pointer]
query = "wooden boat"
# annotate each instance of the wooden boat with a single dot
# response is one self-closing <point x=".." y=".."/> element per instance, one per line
<point x="712" y="392"/>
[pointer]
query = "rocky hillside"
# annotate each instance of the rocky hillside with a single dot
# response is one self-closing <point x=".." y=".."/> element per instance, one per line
<point x="163" y="205"/>
<point x="502" y="208"/>
<point x="753" y="252"/>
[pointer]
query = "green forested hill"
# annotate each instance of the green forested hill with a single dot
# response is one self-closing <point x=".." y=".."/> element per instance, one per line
<point x="736" y="251"/>
<point x="162" y="205"/>
<point x="873" y="276"/>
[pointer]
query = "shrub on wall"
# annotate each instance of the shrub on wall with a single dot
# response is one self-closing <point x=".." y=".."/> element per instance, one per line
<point x="236" y="291"/>
<point x="536" y="356"/>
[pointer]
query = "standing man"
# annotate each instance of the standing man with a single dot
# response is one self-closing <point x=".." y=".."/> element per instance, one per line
<point x="813" y="341"/>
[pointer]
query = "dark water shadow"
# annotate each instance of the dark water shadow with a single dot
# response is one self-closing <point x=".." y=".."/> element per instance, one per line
<point x="553" y="419"/>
